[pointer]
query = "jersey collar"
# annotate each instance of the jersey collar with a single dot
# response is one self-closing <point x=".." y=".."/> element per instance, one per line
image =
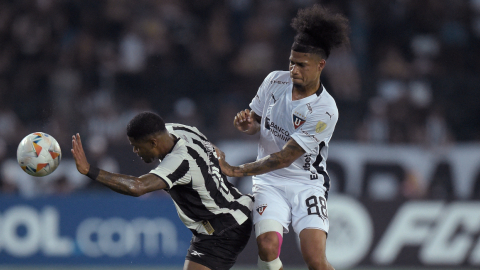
<point x="176" y="140"/>
<point x="320" y="90"/>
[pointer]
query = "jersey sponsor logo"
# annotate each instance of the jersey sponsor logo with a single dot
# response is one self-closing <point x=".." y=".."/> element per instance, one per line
<point x="308" y="165"/>
<point x="310" y="135"/>
<point x="276" y="130"/>
<point x="267" y="123"/>
<point x="261" y="209"/>
<point x="321" y="126"/>
<point x="297" y="121"/>
<point x="278" y="82"/>
<point x="309" y="107"/>
<point x="196" y="253"/>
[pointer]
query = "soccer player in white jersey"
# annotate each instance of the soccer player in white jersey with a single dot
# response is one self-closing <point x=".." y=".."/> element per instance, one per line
<point x="296" y="117"/>
<point x="217" y="214"/>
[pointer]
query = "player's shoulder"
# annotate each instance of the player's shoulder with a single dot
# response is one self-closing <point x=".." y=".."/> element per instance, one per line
<point x="324" y="106"/>
<point x="279" y="77"/>
<point x="325" y="100"/>
<point x="184" y="131"/>
<point x="276" y="82"/>
<point x="176" y="126"/>
<point x="181" y="127"/>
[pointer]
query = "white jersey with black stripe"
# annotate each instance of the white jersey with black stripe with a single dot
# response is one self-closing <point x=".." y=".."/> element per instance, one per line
<point x="206" y="202"/>
<point x="309" y="121"/>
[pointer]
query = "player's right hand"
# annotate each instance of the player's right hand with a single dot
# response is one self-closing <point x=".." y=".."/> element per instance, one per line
<point x="79" y="155"/>
<point x="244" y="120"/>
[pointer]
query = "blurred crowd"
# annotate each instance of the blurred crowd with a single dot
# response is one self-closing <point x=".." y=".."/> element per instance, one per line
<point x="409" y="75"/>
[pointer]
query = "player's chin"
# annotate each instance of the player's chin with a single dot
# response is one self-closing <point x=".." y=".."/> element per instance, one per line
<point x="296" y="84"/>
<point x="146" y="159"/>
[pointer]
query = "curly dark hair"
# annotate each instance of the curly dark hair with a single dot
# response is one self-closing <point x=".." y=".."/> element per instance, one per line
<point x="319" y="31"/>
<point x="144" y="124"/>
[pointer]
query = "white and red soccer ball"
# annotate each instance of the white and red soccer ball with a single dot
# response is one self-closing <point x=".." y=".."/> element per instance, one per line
<point x="39" y="154"/>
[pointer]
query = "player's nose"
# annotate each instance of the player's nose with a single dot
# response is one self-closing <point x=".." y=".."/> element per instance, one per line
<point x="293" y="70"/>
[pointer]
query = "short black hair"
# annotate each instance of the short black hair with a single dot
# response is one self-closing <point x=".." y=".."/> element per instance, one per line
<point x="144" y="124"/>
<point x="319" y="31"/>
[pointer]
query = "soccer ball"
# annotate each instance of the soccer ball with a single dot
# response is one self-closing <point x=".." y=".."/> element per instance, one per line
<point x="39" y="154"/>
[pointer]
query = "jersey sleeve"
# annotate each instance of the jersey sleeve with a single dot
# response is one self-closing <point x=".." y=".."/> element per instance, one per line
<point x="258" y="102"/>
<point x="318" y="128"/>
<point x="173" y="170"/>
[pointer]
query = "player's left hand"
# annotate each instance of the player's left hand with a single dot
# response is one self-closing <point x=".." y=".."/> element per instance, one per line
<point x="79" y="155"/>
<point x="226" y="168"/>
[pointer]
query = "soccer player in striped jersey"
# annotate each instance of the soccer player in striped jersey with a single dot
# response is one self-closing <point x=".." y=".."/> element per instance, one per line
<point x="296" y="117"/>
<point x="217" y="214"/>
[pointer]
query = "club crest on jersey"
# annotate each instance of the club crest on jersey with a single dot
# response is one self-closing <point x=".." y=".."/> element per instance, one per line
<point x="297" y="121"/>
<point x="261" y="209"/>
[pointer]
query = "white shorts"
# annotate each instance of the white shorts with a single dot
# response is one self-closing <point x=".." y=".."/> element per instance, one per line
<point x="302" y="205"/>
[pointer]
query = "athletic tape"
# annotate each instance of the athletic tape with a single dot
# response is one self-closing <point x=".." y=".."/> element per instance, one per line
<point x="272" y="265"/>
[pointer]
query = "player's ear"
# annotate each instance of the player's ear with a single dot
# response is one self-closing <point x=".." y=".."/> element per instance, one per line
<point x="321" y="64"/>
<point x="153" y="142"/>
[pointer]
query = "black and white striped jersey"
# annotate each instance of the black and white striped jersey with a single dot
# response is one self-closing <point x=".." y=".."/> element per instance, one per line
<point x="206" y="201"/>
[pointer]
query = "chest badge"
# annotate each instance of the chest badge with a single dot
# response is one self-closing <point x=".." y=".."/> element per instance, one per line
<point x="298" y="121"/>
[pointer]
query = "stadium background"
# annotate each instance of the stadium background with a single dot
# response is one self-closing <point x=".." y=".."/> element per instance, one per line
<point x="404" y="159"/>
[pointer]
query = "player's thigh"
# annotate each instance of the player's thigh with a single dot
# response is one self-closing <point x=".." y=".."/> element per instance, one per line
<point x="189" y="265"/>
<point x="271" y="203"/>
<point x="309" y="208"/>
<point x="312" y="245"/>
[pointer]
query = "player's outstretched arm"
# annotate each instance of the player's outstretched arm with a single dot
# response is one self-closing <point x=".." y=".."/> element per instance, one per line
<point x="247" y="121"/>
<point x="124" y="184"/>
<point x="290" y="152"/>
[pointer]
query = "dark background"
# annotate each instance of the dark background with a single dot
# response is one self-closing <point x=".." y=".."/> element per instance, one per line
<point x="409" y="76"/>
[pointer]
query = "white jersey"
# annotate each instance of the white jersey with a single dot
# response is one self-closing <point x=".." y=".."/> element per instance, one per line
<point x="309" y="121"/>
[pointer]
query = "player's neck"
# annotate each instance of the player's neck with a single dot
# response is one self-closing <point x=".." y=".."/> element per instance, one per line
<point x="166" y="144"/>
<point x="300" y="92"/>
<point x="170" y="142"/>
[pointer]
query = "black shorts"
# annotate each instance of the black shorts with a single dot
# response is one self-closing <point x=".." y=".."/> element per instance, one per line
<point x="219" y="252"/>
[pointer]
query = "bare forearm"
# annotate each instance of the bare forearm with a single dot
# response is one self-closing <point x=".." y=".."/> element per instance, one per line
<point x="267" y="164"/>
<point x="124" y="184"/>
<point x="291" y="151"/>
